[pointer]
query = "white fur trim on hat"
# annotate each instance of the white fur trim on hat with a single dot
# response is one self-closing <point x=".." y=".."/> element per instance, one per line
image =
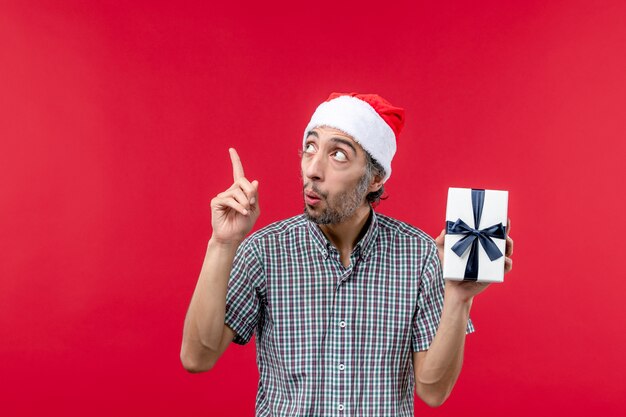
<point x="358" y="119"/>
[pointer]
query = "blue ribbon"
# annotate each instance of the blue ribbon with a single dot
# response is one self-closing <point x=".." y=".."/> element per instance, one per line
<point x="475" y="235"/>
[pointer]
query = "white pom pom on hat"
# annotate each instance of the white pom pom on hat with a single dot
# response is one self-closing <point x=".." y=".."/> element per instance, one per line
<point x="371" y="120"/>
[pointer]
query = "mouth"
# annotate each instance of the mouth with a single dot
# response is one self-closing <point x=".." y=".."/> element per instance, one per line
<point x="311" y="198"/>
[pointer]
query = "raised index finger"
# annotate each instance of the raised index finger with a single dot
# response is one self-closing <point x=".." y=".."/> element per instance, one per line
<point x="237" y="167"/>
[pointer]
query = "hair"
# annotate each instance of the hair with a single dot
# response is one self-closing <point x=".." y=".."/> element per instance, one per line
<point x="373" y="168"/>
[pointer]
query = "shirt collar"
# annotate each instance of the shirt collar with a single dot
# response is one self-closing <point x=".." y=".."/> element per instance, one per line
<point x="365" y="244"/>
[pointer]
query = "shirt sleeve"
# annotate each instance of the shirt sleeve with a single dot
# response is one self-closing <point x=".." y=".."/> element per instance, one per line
<point x="430" y="304"/>
<point x="243" y="303"/>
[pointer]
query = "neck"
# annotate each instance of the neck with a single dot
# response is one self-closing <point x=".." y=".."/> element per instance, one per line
<point x="345" y="235"/>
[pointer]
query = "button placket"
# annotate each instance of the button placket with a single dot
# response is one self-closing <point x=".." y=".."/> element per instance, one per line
<point x="339" y="349"/>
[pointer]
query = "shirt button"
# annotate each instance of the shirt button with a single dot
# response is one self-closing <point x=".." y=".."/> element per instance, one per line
<point x="340" y="407"/>
<point x="342" y="367"/>
<point x="342" y="324"/>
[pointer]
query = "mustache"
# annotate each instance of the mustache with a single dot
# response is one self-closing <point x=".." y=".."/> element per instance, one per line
<point x="315" y="190"/>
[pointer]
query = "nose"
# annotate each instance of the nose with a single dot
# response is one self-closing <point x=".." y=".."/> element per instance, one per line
<point x="314" y="166"/>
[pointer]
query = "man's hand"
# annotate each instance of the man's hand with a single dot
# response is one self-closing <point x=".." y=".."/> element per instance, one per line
<point x="234" y="212"/>
<point x="205" y="335"/>
<point x="466" y="290"/>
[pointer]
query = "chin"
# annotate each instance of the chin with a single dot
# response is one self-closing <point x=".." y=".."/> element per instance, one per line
<point x="312" y="216"/>
<point x="309" y="211"/>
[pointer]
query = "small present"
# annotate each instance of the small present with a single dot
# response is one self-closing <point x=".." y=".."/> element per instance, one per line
<point x="475" y="238"/>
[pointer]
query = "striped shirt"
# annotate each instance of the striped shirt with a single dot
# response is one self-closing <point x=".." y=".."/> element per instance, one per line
<point x="334" y="340"/>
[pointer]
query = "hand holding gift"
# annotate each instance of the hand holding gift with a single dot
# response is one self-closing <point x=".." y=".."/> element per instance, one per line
<point x="475" y="287"/>
<point x="475" y="243"/>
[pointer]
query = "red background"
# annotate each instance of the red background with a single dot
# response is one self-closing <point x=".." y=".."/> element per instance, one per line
<point x="115" y="122"/>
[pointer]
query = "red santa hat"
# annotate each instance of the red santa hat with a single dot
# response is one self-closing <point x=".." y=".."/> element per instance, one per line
<point x="371" y="120"/>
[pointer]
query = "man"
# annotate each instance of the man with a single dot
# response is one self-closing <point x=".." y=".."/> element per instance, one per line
<point x="350" y="309"/>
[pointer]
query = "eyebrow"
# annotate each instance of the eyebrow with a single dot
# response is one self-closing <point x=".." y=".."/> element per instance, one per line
<point x="335" y="139"/>
<point x="345" y="142"/>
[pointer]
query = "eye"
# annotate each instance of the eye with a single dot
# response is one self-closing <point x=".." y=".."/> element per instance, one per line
<point x="309" y="148"/>
<point x="340" y="156"/>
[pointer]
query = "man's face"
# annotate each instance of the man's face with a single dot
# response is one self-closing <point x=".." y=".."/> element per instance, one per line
<point x="334" y="175"/>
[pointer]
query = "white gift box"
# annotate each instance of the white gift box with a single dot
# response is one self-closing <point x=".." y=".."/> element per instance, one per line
<point x="476" y="262"/>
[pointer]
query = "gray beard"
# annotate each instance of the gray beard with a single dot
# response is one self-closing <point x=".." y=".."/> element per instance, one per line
<point x="342" y="206"/>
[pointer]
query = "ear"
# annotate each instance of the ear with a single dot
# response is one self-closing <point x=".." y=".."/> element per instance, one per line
<point x="376" y="183"/>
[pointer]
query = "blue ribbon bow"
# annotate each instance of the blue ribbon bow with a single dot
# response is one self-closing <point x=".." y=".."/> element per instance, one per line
<point x="475" y="235"/>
